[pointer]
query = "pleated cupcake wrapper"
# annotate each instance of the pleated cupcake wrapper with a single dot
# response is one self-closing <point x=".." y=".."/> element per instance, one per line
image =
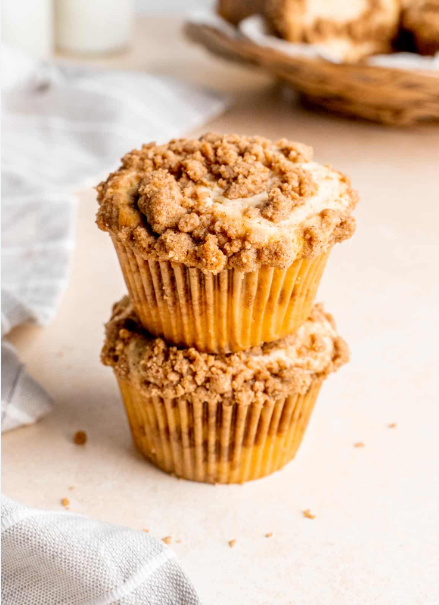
<point x="218" y="442"/>
<point x="230" y="311"/>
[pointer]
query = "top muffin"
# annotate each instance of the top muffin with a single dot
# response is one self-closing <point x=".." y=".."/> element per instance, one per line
<point x="226" y="201"/>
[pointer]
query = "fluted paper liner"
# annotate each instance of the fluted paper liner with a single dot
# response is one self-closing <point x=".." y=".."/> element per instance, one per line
<point x="223" y="313"/>
<point x="218" y="442"/>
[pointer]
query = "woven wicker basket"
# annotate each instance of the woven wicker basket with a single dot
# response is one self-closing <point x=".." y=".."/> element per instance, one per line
<point x="387" y="95"/>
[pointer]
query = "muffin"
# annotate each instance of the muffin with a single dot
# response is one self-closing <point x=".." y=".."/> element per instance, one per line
<point x="223" y="239"/>
<point x="350" y="29"/>
<point x="236" y="10"/>
<point x="420" y="18"/>
<point x="220" y="418"/>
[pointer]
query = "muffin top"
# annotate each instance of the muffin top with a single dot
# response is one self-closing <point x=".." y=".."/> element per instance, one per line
<point x="271" y="371"/>
<point x="226" y="201"/>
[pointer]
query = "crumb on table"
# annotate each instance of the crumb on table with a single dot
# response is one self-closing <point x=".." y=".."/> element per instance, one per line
<point x="65" y="502"/>
<point x="269" y="534"/>
<point x="80" y="437"/>
<point x="146" y="530"/>
<point x="359" y="444"/>
<point x="308" y="514"/>
<point x="392" y="425"/>
<point x="167" y="540"/>
<point x="71" y="488"/>
<point x="232" y="543"/>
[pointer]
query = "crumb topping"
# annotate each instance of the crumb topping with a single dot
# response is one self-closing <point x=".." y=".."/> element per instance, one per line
<point x="271" y="371"/>
<point x="226" y="201"/>
<point x="308" y="514"/>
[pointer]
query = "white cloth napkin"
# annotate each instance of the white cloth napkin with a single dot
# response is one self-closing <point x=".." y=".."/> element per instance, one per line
<point x="64" y="127"/>
<point x="60" y="558"/>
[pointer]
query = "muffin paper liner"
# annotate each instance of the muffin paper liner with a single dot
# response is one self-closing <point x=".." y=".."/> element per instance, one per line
<point x="218" y="442"/>
<point x="223" y="313"/>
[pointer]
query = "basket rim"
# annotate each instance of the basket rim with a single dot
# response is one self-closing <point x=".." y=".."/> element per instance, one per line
<point x="241" y="48"/>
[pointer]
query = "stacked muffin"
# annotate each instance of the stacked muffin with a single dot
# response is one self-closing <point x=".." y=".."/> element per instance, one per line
<point x="218" y="350"/>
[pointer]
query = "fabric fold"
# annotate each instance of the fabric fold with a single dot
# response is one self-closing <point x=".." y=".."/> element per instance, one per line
<point x="65" y="558"/>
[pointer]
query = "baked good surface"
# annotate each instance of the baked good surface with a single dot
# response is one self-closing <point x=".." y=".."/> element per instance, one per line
<point x="351" y="29"/>
<point x="224" y="201"/>
<point x="421" y="19"/>
<point x="272" y="371"/>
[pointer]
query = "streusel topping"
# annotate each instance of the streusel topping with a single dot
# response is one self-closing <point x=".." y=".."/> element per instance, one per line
<point x="225" y="201"/>
<point x="271" y="371"/>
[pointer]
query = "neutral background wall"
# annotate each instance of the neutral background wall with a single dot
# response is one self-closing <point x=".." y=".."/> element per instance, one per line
<point x="171" y="6"/>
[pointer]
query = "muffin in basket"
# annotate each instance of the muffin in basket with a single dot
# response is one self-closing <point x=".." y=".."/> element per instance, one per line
<point x="351" y="29"/>
<point x="223" y="239"/>
<point x="420" y="18"/>
<point x="236" y="10"/>
<point x="220" y="418"/>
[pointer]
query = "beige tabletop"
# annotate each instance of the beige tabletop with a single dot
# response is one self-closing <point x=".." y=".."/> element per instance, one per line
<point x="375" y="536"/>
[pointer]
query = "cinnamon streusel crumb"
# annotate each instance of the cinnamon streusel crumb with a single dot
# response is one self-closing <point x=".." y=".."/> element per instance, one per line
<point x="225" y="201"/>
<point x="308" y="514"/>
<point x="80" y="438"/>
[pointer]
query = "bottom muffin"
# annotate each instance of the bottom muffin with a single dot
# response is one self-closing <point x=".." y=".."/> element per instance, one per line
<point x="220" y="418"/>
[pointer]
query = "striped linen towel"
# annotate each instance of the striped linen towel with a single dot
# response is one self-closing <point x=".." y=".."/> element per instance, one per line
<point x="62" y="127"/>
<point x="57" y="557"/>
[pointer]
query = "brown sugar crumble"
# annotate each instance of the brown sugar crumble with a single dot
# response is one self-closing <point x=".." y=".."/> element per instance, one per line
<point x="157" y="369"/>
<point x="359" y="444"/>
<point x="195" y="202"/>
<point x="65" y="502"/>
<point x="167" y="540"/>
<point x="71" y="488"/>
<point x="80" y="438"/>
<point x="232" y="543"/>
<point x="392" y="425"/>
<point x="269" y="535"/>
<point x="308" y="514"/>
<point x="146" y="531"/>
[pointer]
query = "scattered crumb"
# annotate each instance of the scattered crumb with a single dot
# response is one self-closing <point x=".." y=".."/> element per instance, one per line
<point x="80" y="437"/>
<point x="359" y="444"/>
<point x="146" y="531"/>
<point x="60" y="354"/>
<point x="232" y="543"/>
<point x="167" y="540"/>
<point x="71" y="488"/>
<point x="269" y="534"/>
<point x="392" y="425"/>
<point x="65" y="502"/>
<point x="308" y="514"/>
<point x="179" y="541"/>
